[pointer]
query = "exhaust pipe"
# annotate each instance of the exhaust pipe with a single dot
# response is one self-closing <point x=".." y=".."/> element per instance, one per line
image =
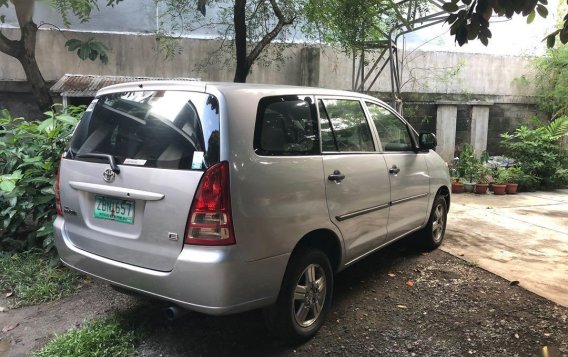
<point x="174" y="312"/>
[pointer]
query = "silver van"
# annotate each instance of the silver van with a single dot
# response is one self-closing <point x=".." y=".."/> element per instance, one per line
<point x="223" y="197"/>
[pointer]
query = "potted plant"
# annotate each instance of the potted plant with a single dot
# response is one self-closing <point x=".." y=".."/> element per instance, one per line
<point x="514" y="175"/>
<point x="482" y="178"/>
<point x="467" y="165"/>
<point x="457" y="185"/>
<point x="500" y="182"/>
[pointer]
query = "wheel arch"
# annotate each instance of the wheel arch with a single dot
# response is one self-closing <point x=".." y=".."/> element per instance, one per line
<point x="325" y="240"/>
<point x="444" y="191"/>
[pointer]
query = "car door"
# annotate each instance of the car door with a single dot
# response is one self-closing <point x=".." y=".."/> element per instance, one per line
<point x="355" y="174"/>
<point x="407" y="171"/>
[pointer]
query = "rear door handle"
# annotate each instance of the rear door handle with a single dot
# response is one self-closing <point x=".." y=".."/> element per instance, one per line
<point x="394" y="170"/>
<point x="336" y="176"/>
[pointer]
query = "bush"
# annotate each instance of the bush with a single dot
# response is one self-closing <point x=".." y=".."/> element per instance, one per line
<point x="29" y="159"/>
<point x="539" y="154"/>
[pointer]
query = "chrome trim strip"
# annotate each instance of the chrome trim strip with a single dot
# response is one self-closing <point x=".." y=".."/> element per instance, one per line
<point x="122" y="192"/>
<point x="382" y="246"/>
<point x="402" y="200"/>
<point x="343" y="217"/>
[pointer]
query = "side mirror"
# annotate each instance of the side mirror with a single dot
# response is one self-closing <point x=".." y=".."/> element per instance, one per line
<point x="427" y="141"/>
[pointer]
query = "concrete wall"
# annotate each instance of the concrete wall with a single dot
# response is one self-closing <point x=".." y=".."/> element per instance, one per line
<point x="136" y="16"/>
<point x="424" y="72"/>
<point x="428" y="77"/>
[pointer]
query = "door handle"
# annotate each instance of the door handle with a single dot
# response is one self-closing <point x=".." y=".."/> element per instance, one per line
<point x="336" y="176"/>
<point x="394" y="170"/>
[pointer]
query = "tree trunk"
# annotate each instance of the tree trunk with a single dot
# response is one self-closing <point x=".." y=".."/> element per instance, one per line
<point x="24" y="51"/>
<point x="29" y="63"/>
<point x="40" y="89"/>
<point x="239" y="16"/>
<point x="244" y="61"/>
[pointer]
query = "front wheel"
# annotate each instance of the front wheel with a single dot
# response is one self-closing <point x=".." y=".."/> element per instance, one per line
<point x="305" y="297"/>
<point x="435" y="230"/>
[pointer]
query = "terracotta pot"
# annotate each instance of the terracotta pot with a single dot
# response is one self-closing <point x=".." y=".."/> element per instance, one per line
<point x="512" y="188"/>
<point x="481" y="188"/>
<point x="457" y="187"/>
<point x="499" y="189"/>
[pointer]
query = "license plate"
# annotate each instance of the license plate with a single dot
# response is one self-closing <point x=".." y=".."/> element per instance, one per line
<point x="114" y="209"/>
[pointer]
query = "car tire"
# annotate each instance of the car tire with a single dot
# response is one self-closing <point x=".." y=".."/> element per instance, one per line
<point x="305" y="297"/>
<point x="434" y="232"/>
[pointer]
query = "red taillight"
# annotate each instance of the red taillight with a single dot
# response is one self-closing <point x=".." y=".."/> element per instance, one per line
<point x="209" y="221"/>
<point x="58" y="194"/>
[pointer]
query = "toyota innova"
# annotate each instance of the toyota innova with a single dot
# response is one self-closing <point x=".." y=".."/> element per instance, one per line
<point x="223" y="197"/>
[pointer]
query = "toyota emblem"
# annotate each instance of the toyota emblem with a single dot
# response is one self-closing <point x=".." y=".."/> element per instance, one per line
<point x="108" y="175"/>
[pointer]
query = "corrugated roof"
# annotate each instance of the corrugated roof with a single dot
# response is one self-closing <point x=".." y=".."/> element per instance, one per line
<point x="81" y="85"/>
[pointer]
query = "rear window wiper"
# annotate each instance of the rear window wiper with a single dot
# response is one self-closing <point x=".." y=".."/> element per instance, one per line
<point x="112" y="162"/>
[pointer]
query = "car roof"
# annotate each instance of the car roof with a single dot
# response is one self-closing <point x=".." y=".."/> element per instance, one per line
<point x="227" y="88"/>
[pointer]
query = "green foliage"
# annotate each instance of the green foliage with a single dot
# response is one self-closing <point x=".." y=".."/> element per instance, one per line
<point x="539" y="154"/>
<point x="80" y="8"/>
<point x="351" y="23"/>
<point x="179" y="17"/>
<point x="551" y="81"/>
<point x="469" y="19"/>
<point x="482" y="173"/>
<point x="32" y="278"/>
<point x="90" y="49"/>
<point x="29" y="159"/>
<point x="467" y="164"/>
<point x="500" y="177"/>
<point x="103" y="338"/>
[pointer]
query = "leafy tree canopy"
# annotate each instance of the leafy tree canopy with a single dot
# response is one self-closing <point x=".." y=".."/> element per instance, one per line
<point x="246" y="27"/>
<point x="353" y="23"/>
<point x="469" y="19"/>
<point x="552" y="81"/>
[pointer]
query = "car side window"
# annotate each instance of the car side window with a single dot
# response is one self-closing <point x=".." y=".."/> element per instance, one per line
<point x="286" y="126"/>
<point x="344" y="126"/>
<point x="393" y="133"/>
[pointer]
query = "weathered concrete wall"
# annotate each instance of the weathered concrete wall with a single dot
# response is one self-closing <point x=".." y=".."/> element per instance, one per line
<point x="427" y="77"/>
<point x="424" y="72"/>
<point x="505" y="117"/>
<point x="437" y="72"/>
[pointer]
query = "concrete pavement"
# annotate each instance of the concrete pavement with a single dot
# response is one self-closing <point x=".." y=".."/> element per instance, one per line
<point x="522" y="237"/>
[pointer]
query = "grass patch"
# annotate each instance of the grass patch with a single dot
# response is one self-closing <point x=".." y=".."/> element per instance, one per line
<point x="33" y="278"/>
<point x="100" y="338"/>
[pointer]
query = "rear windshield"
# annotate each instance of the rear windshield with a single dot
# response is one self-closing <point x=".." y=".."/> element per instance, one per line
<point x="159" y="129"/>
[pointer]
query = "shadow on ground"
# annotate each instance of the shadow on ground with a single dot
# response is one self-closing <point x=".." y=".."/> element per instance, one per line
<point x="245" y="334"/>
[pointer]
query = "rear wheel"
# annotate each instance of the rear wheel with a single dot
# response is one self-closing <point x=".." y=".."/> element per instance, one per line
<point x="305" y="297"/>
<point x="435" y="230"/>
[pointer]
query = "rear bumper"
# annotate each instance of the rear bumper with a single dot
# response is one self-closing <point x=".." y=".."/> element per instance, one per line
<point x="212" y="280"/>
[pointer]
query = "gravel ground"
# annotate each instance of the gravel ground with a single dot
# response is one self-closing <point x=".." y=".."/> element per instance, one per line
<point x="453" y="309"/>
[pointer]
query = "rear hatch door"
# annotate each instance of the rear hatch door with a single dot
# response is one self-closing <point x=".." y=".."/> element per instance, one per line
<point x="161" y="143"/>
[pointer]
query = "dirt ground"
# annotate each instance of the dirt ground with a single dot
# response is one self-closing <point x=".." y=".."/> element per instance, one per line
<point x="454" y="308"/>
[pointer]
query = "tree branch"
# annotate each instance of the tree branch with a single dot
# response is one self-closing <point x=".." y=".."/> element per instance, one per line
<point x="266" y="39"/>
<point x="9" y="47"/>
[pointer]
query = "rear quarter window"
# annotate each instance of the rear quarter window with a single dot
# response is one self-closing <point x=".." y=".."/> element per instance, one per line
<point x="158" y="129"/>
<point x="286" y="126"/>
